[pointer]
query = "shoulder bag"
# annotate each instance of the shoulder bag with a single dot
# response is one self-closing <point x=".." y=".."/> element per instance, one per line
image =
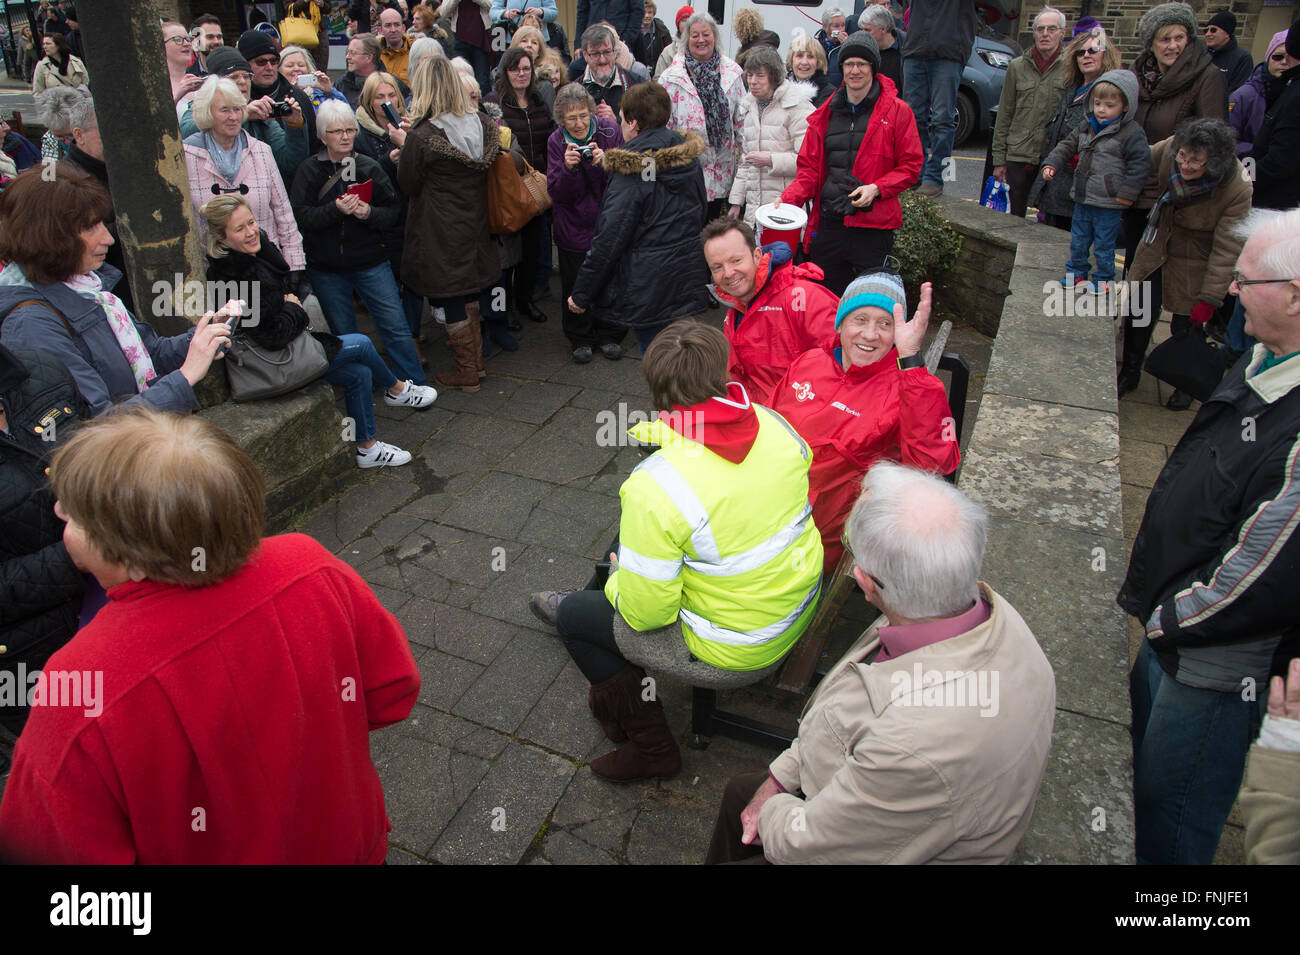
<point x="255" y="373"/>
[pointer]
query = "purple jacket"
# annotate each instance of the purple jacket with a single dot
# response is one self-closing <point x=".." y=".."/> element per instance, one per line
<point x="1246" y="108"/>
<point x="576" y="194"/>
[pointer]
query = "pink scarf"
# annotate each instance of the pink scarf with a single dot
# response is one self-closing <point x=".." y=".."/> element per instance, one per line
<point x="119" y="320"/>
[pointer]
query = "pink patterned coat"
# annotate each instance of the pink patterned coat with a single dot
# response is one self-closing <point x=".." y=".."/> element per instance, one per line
<point x="688" y="114"/>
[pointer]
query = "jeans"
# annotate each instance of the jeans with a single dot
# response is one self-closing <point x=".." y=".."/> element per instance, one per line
<point x="412" y="303"/>
<point x="1189" y="755"/>
<point x="378" y="290"/>
<point x="1097" y="228"/>
<point x="586" y="625"/>
<point x="479" y="60"/>
<point x="359" y="370"/>
<point x="930" y="89"/>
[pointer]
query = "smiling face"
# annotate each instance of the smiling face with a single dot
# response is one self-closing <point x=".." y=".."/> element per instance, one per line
<point x="866" y="335"/>
<point x="577" y="121"/>
<point x="733" y="264"/>
<point x="700" y="42"/>
<point x="857" y="76"/>
<point x="805" y="64"/>
<point x="293" y="66"/>
<point x="226" y="119"/>
<point x="1215" y="37"/>
<point x="1168" y="45"/>
<point x="244" y="80"/>
<point x="176" y="43"/>
<point x="1191" y="163"/>
<point x="358" y="60"/>
<point x="241" y="232"/>
<point x="265" y="68"/>
<point x="94" y="246"/>
<point x="529" y="43"/>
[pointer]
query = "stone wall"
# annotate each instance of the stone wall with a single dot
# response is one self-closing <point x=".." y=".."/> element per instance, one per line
<point x="1044" y="461"/>
<point x="974" y="290"/>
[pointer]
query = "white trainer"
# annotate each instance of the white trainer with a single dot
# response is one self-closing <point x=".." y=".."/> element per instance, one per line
<point x="414" y="396"/>
<point x="381" y="455"/>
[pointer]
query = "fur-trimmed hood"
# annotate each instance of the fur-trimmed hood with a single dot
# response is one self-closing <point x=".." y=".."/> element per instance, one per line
<point x="666" y="148"/>
<point x="439" y="143"/>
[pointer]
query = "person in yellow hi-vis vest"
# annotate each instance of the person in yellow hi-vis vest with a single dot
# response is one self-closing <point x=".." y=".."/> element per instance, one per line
<point x="719" y="562"/>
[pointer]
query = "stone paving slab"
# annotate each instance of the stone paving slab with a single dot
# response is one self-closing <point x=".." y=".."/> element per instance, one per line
<point x="505" y="693"/>
<point x="1043" y="490"/>
<point x="503" y="815"/>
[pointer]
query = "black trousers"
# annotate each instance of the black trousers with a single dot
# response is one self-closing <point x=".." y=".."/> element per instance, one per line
<point x="525" y="273"/>
<point x="586" y="625"/>
<point x="587" y="328"/>
<point x="845" y="252"/>
<point x="725" y="846"/>
<point x="1137" y="338"/>
<point x="1020" y="176"/>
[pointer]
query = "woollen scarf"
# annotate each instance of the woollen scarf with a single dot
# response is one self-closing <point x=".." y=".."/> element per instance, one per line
<point x="707" y="77"/>
<point x="1180" y="192"/>
<point x="119" y="320"/>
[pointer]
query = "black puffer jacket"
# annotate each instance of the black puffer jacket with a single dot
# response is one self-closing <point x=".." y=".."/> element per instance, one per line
<point x="532" y="127"/>
<point x="278" y="321"/>
<point x="40" y="589"/>
<point x="646" y="265"/>
<point x="332" y="241"/>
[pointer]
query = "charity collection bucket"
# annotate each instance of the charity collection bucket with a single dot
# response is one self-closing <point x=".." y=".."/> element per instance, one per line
<point x="779" y="222"/>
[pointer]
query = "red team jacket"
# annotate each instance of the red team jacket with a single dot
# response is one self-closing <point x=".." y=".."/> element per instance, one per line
<point x="853" y="418"/>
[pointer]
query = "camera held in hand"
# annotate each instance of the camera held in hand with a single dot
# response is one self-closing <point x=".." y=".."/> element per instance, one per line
<point x="283" y="108"/>
<point x="587" y="153"/>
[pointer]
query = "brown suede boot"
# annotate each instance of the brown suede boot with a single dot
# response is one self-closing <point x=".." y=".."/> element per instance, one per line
<point x="476" y="326"/>
<point x="602" y="707"/>
<point x="464" y="344"/>
<point x="651" y="750"/>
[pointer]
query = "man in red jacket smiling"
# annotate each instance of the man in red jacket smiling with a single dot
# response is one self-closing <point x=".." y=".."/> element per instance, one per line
<point x="860" y="151"/>
<point x="777" y="313"/>
<point x="241" y="676"/>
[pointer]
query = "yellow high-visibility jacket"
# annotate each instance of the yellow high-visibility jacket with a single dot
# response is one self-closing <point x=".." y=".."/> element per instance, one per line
<point x="730" y="548"/>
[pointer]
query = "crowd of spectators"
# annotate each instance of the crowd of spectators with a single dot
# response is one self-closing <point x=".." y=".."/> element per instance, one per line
<point x="657" y="153"/>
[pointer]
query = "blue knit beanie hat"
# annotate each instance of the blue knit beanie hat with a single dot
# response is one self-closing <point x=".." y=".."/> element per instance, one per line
<point x="882" y="289"/>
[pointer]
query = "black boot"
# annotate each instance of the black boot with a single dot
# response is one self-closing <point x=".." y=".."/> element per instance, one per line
<point x="1129" y="377"/>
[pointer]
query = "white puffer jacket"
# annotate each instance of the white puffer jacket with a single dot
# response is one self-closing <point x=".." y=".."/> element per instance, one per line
<point x="779" y="131"/>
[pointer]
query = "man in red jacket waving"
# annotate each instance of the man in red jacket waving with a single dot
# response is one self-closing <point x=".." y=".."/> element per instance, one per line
<point x="777" y="312"/>
<point x="860" y="151"/>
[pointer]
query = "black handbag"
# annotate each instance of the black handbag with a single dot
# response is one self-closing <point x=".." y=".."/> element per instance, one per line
<point x="1188" y="362"/>
<point x="255" y="373"/>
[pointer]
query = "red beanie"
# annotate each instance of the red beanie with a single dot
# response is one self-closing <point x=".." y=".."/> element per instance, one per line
<point x="682" y="14"/>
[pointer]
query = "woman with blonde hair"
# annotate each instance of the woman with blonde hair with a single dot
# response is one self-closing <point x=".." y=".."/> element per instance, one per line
<point x="806" y="62"/>
<point x="548" y="69"/>
<point x="295" y="61"/>
<point x="449" y="255"/>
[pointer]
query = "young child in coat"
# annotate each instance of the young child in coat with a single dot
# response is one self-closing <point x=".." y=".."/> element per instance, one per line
<point x="1113" y="162"/>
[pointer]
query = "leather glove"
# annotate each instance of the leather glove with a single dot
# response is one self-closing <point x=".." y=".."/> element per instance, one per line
<point x="1201" y="313"/>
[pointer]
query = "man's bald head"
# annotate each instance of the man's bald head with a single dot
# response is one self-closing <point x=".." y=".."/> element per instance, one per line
<point x="920" y="539"/>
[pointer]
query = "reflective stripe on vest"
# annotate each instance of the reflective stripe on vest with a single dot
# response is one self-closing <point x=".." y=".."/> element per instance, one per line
<point x="803" y="445"/>
<point x="707" y="630"/>
<point x="652" y="568"/>
<point x="709" y="560"/>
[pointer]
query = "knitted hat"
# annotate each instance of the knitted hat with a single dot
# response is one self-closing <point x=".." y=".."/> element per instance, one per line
<point x="255" y="43"/>
<point x="1225" y="21"/>
<point x="861" y="45"/>
<point x="225" y="60"/>
<point x="1166" y="15"/>
<point x="1084" y="25"/>
<point x="1293" y="41"/>
<point x="881" y="289"/>
<point x="682" y="14"/>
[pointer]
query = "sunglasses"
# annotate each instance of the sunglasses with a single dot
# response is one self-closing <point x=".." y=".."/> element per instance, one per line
<point x="1279" y="57"/>
<point x="1089" y="49"/>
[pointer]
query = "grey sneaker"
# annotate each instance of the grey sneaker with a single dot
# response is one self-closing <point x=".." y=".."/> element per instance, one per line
<point x="612" y="350"/>
<point x="546" y="605"/>
<point x="582" y="354"/>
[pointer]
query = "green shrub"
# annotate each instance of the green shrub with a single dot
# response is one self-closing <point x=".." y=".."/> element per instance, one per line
<point x="925" y="243"/>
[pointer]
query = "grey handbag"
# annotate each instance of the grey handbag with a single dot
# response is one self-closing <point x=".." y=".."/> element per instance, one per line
<point x="255" y="373"/>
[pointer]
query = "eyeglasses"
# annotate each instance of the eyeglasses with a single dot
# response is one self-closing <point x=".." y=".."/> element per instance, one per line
<point x="1183" y="160"/>
<point x="1047" y="29"/>
<point x="857" y="65"/>
<point x="178" y="40"/>
<point x="1242" y="283"/>
<point x="520" y="68"/>
<point x="599" y="54"/>
<point x="341" y="132"/>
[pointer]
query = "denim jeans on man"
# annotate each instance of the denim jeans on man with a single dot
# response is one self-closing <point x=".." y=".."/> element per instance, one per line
<point x="378" y="290"/>
<point x="930" y="89"/>
<point x="359" y="370"/>
<point x="1189" y="755"/>
<point x="1098" y="228"/>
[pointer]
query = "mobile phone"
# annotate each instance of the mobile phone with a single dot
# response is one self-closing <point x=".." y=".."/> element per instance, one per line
<point x="391" y="114"/>
<point x="306" y="80"/>
<point x="232" y="323"/>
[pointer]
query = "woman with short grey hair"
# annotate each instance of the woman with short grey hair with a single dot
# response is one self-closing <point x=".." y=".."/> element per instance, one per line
<point x="834" y="29"/>
<point x="1189" y="247"/>
<point x="774" y="117"/>
<point x="54" y="111"/>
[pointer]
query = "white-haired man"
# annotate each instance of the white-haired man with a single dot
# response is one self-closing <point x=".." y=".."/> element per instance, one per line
<point x="1213" y="572"/>
<point x="928" y="740"/>
<point x="1030" y="94"/>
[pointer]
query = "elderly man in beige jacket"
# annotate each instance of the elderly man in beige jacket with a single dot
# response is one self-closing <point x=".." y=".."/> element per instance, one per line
<point x="927" y="742"/>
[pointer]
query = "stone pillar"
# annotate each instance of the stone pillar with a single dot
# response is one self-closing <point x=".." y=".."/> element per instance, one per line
<point x="142" y="148"/>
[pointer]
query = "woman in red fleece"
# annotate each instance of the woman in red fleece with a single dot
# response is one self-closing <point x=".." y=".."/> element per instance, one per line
<point x="864" y="396"/>
<point x="218" y="709"/>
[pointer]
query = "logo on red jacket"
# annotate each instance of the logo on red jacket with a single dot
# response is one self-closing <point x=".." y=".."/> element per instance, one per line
<point x="803" y="390"/>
